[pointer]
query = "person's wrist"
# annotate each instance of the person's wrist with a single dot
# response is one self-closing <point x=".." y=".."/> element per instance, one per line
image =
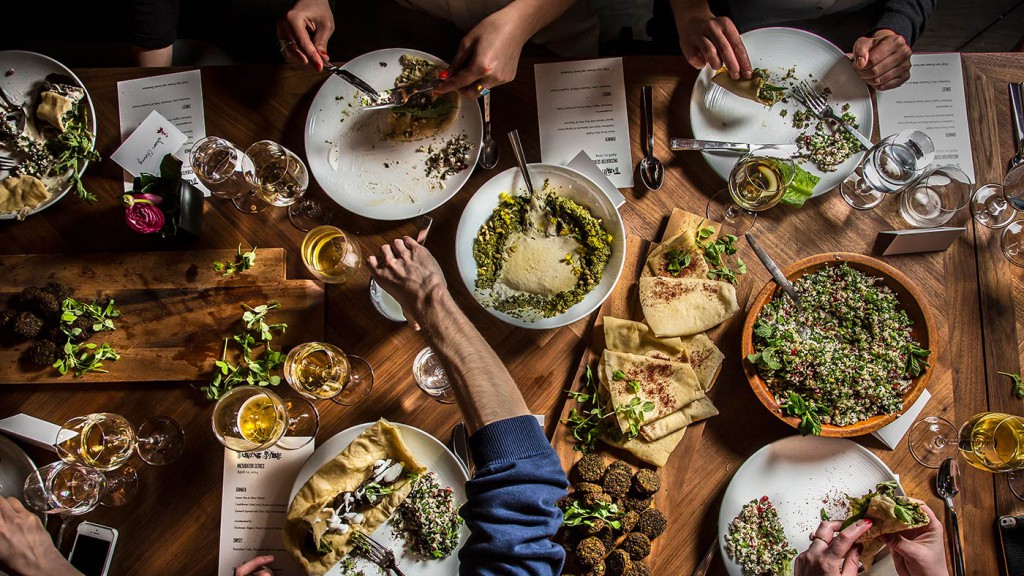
<point x="882" y="33"/>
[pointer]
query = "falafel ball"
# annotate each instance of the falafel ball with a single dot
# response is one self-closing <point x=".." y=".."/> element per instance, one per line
<point x="564" y="502"/>
<point x="598" y="570"/>
<point x="639" y="568"/>
<point x="590" y="468"/>
<point x="636" y="503"/>
<point x="591" y="500"/>
<point x="646" y="482"/>
<point x="590" y="551"/>
<point x="619" y="465"/>
<point x="27" y="325"/>
<point x="59" y="290"/>
<point x="41" y="353"/>
<point x="24" y="300"/>
<point x="589" y="488"/>
<point x="54" y="334"/>
<point x="629" y="520"/>
<point x="652" y="523"/>
<point x="85" y="329"/>
<point x="618" y="563"/>
<point x="637" y="545"/>
<point x="7" y="318"/>
<point x="46" y="306"/>
<point x="616" y="482"/>
<point x="607" y="537"/>
<point x="595" y="526"/>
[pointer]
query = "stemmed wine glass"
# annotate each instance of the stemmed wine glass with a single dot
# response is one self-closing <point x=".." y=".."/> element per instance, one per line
<point x="249" y="418"/>
<point x="757" y="182"/>
<point x="996" y="205"/>
<point x="893" y="164"/>
<point x="281" y="179"/>
<point x="936" y="197"/>
<point x="105" y="442"/>
<point x="320" y="371"/>
<point x="223" y="168"/>
<point x="64" y="489"/>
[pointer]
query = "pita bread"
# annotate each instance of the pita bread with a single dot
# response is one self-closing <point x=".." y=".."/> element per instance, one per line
<point x="637" y="338"/>
<point x="20" y="192"/>
<point x="655" y="453"/>
<point x="704" y="357"/>
<point x="668" y="385"/>
<point x="686" y="306"/>
<point x="880" y="506"/>
<point x="343" y="474"/>
<point x="751" y="89"/>
<point x="658" y="260"/>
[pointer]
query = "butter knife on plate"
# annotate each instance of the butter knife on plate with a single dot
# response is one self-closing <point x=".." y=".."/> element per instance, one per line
<point x="715" y="146"/>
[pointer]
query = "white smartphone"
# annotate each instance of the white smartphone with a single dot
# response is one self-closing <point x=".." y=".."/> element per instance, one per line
<point x="93" y="549"/>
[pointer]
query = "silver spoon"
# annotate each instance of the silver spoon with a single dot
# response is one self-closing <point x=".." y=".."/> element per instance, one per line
<point x="947" y="485"/>
<point x="779" y="278"/>
<point x="1017" y="112"/>
<point x="489" y="147"/>
<point x="652" y="171"/>
<point x="536" y="213"/>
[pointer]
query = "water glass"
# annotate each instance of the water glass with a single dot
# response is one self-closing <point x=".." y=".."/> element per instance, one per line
<point x="1012" y="243"/>
<point x="431" y="377"/>
<point x="936" y="197"/>
<point x="892" y="165"/>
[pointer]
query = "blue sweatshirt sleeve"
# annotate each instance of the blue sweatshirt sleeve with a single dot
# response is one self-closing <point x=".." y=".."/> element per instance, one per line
<point x="511" y="511"/>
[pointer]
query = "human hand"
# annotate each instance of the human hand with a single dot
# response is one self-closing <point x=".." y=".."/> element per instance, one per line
<point x="306" y="17"/>
<point x="255" y="567"/>
<point x="882" y="59"/>
<point x="488" y="55"/>
<point x="407" y="271"/>
<point x="25" y="545"/>
<point x="832" y="554"/>
<point x="714" y="41"/>
<point x="920" y="550"/>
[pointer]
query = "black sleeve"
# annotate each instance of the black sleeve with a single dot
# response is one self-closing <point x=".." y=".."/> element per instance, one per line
<point x="905" y="17"/>
<point x="154" y="23"/>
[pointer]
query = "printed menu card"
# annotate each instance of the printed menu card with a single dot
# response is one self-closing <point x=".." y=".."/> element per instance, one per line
<point x="581" y="105"/>
<point x="932" y="101"/>
<point x="254" y="502"/>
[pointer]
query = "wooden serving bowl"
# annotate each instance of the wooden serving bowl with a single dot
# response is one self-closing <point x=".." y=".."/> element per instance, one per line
<point x="910" y="299"/>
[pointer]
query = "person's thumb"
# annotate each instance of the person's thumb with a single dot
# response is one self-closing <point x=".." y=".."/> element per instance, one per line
<point x="320" y="38"/>
<point x="861" y="52"/>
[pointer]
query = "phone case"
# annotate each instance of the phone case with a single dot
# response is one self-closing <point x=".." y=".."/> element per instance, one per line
<point x="1011" y="540"/>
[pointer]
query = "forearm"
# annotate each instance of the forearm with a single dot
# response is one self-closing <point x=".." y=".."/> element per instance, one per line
<point x="153" y="58"/>
<point x="483" y="387"/>
<point x="905" y="17"/>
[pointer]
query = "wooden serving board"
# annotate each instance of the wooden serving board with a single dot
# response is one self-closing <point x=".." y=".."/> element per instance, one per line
<point x="175" y="310"/>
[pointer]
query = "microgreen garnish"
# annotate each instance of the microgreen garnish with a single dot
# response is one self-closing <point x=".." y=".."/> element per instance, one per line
<point x="1018" y="383"/>
<point x="915" y="359"/>
<point x="715" y="252"/>
<point x="73" y="145"/>
<point x="825" y="516"/>
<point x="85" y="358"/>
<point x="586" y="422"/>
<point x="243" y="261"/>
<point x="677" y="261"/>
<point x="578" y="514"/>
<point x="254" y="369"/>
<point x="809" y="413"/>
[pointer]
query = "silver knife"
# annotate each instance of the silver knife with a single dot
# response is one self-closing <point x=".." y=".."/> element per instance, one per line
<point x="712" y="145"/>
<point x="356" y="82"/>
<point x="460" y="445"/>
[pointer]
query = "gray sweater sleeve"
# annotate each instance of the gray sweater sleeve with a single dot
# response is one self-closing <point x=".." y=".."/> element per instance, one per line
<point x="905" y="17"/>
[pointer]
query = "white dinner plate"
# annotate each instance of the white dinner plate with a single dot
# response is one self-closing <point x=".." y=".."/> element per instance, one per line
<point x="28" y="71"/>
<point x="717" y="114"/>
<point x="801" y="475"/>
<point x="567" y="182"/>
<point x="430" y="453"/>
<point x="357" y="168"/>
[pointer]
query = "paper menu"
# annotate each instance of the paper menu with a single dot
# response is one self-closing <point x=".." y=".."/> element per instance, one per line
<point x="581" y="105"/>
<point x="933" y="101"/>
<point x="177" y="97"/>
<point x="254" y="501"/>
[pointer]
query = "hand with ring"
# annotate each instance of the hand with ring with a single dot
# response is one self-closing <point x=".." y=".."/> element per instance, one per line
<point x="303" y="33"/>
<point x="832" y="553"/>
<point x="488" y="55"/>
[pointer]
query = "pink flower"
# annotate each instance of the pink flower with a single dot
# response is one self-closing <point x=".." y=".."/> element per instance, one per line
<point x="142" y="214"/>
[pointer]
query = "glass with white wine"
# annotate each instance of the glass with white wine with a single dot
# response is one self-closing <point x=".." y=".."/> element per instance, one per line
<point x="249" y="418"/>
<point x="281" y="179"/>
<point x="320" y="371"/>
<point x="64" y="489"/>
<point x="223" y="168"/>
<point x="756" y="183"/>
<point x="331" y="255"/>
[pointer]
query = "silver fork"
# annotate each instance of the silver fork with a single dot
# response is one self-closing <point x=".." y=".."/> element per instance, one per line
<point x="396" y="97"/>
<point x="376" y="552"/>
<point x="817" y="104"/>
<point x="8" y="163"/>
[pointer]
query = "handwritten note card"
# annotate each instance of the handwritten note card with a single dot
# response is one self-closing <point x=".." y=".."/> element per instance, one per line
<point x="254" y="502"/>
<point x="582" y="106"/>
<point x="177" y="97"/>
<point x="932" y="101"/>
<point x="143" y="151"/>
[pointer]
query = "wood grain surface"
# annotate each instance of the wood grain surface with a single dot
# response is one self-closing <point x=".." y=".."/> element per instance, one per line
<point x="172" y="525"/>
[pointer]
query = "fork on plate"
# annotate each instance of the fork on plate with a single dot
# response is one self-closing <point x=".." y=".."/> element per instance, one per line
<point x="7" y="163"/>
<point x="817" y="104"/>
<point x="376" y="552"/>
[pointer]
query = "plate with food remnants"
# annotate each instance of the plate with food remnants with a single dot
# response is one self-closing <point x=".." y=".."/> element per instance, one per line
<point x="782" y="492"/>
<point x="395" y="163"/>
<point x="763" y="111"/>
<point x="540" y="261"/>
<point x="393" y="482"/>
<point x="49" y="129"/>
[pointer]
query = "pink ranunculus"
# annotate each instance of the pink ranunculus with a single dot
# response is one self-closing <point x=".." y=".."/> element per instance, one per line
<point x="141" y="213"/>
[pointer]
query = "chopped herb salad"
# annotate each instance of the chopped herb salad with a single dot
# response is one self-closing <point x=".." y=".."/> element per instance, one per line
<point x="757" y="542"/>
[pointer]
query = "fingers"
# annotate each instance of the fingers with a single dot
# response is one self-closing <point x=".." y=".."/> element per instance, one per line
<point x="401" y="250"/>
<point x="461" y="79"/>
<point x="6" y="512"/>
<point x="320" y="37"/>
<point x="861" y="52"/>
<point x="851" y="563"/>
<point x="372" y="261"/>
<point x="733" y="52"/>
<point x="389" y="257"/>
<point x="250" y="566"/>
<point x="844" y="541"/>
<point x="710" y="53"/>
<point x="299" y="28"/>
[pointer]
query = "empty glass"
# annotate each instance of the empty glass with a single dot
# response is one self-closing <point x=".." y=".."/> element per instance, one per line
<point x="1012" y="242"/>
<point x="990" y="207"/>
<point x="889" y="167"/>
<point x="222" y="167"/>
<point x="431" y="377"/>
<point x="64" y="489"/>
<point x="936" y="197"/>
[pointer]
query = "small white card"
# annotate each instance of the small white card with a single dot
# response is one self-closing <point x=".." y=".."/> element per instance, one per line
<point x="143" y="151"/>
<point x="934" y="102"/>
<point x="254" y="502"/>
<point x="584" y="165"/>
<point x="582" y="105"/>
<point x="892" y="434"/>
<point x="35" y="431"/>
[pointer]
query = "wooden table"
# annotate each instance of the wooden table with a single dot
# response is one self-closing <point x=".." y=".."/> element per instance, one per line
<point x="172" y="526"/>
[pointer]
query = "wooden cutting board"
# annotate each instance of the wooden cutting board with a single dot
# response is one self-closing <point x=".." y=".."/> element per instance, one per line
<point x="175" y="309"/>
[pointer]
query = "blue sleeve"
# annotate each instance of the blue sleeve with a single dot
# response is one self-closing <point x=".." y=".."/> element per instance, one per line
<point x="511" y="511"/>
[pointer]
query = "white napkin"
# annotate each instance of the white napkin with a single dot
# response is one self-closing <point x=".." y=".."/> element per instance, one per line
<point x="583" y="164"/>
<point x="892" y="434"/>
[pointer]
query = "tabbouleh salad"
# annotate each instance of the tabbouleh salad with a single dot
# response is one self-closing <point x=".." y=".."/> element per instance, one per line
<point x="858" y="358"/>
<point x="757" y="542"/>
<point x="429" y="518"/>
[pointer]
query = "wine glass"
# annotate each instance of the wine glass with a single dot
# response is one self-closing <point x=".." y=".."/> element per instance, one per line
<point x="318" y="371"/>
<point x="249" y="418"/>
<point x="64" y="489"/>
<point x="1011" y="242"/>
<point x="281" y="179"/>
<point x="222" y="167"/>
<point x="893" y="164"/>
<point x="757" y="182"/>
<point x="936" y="197"/>
<point x="431" y="377"/>
<point x="990" y="208"/>
<point x="330" y="254"/>
<point x="931" y="440"/>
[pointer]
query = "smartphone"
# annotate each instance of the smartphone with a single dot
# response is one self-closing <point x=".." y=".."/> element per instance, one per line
<point x="93" y="549"/>
<point x="1011" y="540"/>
